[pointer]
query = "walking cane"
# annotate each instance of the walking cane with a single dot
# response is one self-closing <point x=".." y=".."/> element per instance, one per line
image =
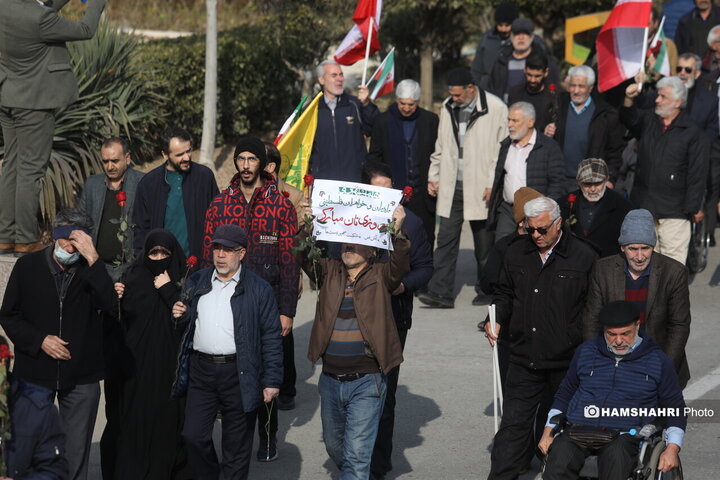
<point x="497" y="385"/>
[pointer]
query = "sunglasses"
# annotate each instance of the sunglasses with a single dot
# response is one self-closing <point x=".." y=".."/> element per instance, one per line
<point x="540" y="230"/>
<point x="686" y="69"/>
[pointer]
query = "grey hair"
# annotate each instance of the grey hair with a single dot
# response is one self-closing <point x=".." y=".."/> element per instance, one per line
<point x="525" y="107"/>
<point x="73" y="216"/>
<point x="408" y="88"/>
<point x="540" y="205"/>
<point x="694" y="56"/>
<point x="679" y="90"/>
<point x="582" y="71"/>
<point x="320" y="70"/>
<point x="713" y="35"/>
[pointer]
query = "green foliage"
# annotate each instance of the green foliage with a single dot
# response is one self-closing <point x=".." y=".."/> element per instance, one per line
<point x="444" y="24"/>
<point x="113" y="101"/>
<point x="256" y="88"/>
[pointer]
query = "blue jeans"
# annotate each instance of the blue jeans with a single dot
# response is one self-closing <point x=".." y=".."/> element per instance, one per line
<point x="350" y="413"/>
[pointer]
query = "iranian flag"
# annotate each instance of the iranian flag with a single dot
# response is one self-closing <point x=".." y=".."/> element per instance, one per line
<point x="658" y="48"/>
<point x="367" y="22"/>
<point x="621" y="42"/>
<point x="383" y="80"/>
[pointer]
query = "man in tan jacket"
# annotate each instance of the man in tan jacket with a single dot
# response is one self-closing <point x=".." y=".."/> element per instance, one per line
<point x="472" y="125"/>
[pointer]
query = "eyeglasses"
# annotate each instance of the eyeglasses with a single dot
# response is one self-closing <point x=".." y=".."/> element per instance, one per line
<point x="241" y="159"/>
<point x="540" y="230"/>
<point x="679" y="69"/>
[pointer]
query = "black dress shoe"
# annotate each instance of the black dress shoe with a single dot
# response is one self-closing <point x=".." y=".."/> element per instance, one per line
<point x="712" y="240"/>
<point x="432" y="300"/>
<point x="482" y="299"/>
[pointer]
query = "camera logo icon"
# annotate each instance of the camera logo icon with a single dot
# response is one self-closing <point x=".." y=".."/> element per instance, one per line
<point x="591" y="411"/>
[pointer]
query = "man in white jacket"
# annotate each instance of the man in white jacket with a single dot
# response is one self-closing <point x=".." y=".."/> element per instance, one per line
<point x="472" y="125"/>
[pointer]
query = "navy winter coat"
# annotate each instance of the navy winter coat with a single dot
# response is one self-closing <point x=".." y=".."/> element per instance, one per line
<point x="644" y="378"/>
<point x="339" y="150"/>
<point x="258" y="343"/>
<point x="36" y="450"/>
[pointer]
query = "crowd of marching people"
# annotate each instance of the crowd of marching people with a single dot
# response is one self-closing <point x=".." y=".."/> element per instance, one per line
<point x="181" y="296"/>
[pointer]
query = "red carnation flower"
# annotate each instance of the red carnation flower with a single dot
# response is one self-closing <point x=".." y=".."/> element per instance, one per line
<point x="407" y="193"/>
<point x="571" y="198"/>
<point x="191" y="261"/>
<point x="308" y="179"/>
<point x="5" y="352"/>
<point x="552" y="87"/>
<point x="286" y="194"/>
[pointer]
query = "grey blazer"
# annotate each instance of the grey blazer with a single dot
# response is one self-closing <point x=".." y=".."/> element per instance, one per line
<point x="92" y="199"/>
<point x="35" y="71"/>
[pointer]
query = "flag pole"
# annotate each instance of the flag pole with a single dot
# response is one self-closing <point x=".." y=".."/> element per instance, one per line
<point x="367" y="49"/>
<point x="644" y="52"/>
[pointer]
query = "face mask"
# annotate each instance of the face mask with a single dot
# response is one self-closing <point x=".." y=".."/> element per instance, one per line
<point x="64" y="257"/>
<point x="156" y="267"/>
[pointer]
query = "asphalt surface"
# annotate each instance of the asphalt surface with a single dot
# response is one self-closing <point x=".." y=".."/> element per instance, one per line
<point x="444" y="422"/>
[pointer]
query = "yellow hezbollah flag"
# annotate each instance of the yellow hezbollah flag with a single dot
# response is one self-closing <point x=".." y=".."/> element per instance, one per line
<point x="295" y="146"/>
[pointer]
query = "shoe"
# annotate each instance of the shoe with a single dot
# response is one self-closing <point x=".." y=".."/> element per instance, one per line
<point x="482" y="299"/>
<point x="267" y="452"/>
<point x="712" y="240"/>
<point x="285" y="402"/>
<point x="7" y="248"/>
<point x="25" y="248"/>
<point x="432" y="300"/>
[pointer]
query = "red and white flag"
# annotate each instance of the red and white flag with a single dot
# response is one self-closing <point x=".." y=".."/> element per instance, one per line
<point x="366" y="17"/>
<point x="621" y="42"/>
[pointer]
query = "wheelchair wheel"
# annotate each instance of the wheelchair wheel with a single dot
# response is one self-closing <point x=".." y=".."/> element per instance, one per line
<point x="654" y="474"/>
<point x="698" y="248"/>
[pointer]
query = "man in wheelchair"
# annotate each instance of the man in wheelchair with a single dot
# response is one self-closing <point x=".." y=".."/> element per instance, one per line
<point x="616" y="384"/>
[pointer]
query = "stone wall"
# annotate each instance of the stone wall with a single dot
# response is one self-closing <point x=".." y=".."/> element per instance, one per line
<point x="6" y="265"/>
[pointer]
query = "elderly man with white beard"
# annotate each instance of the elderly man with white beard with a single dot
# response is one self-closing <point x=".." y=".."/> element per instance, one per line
<point x="656" y="284"/>
<point x="672" y="164"/>
<point x="527" y="159"/>
<point x="594" y="211"/>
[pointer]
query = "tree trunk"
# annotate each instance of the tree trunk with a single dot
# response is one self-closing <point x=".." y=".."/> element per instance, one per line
<point x="426" y="74"/>
<point x="207" y="146"/>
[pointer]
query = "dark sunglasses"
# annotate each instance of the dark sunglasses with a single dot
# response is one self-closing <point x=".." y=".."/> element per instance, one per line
<point x="687" y="69"/>
<point x="540" y="230"/>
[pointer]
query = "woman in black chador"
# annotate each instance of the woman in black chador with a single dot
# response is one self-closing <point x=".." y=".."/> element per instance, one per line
<point x="142" y="436"/>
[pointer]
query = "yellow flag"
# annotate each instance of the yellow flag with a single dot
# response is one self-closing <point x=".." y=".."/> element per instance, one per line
<point x="295" y="146"/>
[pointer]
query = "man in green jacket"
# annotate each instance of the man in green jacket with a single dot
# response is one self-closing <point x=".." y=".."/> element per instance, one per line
<point x="35" y="79"/>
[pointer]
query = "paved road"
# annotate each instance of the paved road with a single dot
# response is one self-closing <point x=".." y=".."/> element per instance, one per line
<point x="444" y="425"/>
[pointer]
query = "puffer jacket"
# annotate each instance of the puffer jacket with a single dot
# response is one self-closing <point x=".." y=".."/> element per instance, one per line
<point x="644" y="378"/>
<point x="258" y="344"/>
<point x="372" y="292"/>
<point x="270" y="220"/>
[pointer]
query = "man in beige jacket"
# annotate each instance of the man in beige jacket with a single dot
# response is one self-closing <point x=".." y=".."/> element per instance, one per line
<point x="472" y="125"/>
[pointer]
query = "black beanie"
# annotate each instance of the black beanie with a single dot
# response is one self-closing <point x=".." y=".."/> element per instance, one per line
<point x="459" y="77"/>
<point x="253" y="145"/>
<point x="618" y="314"/>
<point x="506" y="12"/>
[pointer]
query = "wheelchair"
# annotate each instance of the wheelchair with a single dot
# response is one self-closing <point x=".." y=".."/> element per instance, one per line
<point x="650" y="449"/>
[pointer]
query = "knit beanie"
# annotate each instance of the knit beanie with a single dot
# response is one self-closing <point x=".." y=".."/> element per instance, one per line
<point x="638" y="227"/>
<point x="253" y="145"/>
<point x="618" y="314"/>
<point x="506" y="12"/>
<point x="521" y="197"/>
